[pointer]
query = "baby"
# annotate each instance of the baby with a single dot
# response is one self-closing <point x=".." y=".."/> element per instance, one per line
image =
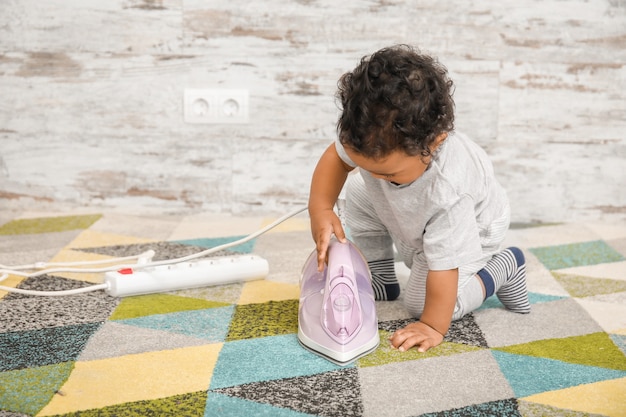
<point x="422" y="186"/>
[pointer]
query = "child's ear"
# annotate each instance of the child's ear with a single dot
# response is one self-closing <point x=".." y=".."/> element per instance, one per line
<point x="438" y="141"/>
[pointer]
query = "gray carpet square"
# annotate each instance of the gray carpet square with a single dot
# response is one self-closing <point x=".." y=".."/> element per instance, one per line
<point x="24" y="312"/>
<point x="30" y="248"/>
<point x="111" y="341"/>
<point x="431" y="385"/>
<point x="555" y="319"/>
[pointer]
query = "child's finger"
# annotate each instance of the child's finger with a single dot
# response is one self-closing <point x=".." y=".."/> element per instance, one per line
<point x="424" y="346"/>
<point x="415" y="340"/>
<point x="337" y="229"/>
<point x="321" y="259"/>
<point x="322" y="253"/>
<point x="340" y="234"/>
<point x="402" y="340"/>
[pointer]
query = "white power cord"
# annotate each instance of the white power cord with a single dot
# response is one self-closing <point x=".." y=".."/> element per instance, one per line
<point x="41" y="265"/>
<point x="144" y="260"/>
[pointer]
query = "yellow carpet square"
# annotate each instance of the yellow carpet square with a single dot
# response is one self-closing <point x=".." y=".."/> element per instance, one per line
<point x="151" y="375"/>
<point x="607" y="398"/>
<point x="68" y="255"/>
<point x="291" y="225"/>
<point x="91" y="239"/>
<point x="11" y="281"/>
<point x="261" y="291"/>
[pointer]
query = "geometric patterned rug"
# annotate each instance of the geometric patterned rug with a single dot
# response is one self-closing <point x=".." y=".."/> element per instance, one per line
<point x="232" y="350"/>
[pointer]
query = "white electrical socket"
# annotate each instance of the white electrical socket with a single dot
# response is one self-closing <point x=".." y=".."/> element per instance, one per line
<point x="212" y="105"/>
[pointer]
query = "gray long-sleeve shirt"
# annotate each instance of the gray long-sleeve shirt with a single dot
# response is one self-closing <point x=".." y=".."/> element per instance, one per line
<point x="448" y="213"/>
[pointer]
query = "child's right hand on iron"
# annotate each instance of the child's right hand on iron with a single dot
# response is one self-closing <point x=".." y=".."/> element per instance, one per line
<point x="325" y="224"/>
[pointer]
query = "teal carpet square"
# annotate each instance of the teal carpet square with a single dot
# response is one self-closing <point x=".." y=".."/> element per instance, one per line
<point x="576" y="254"/>
<point x="267" y="358"/>
<point x="44" y="346"/>
<point x="530" y="375"/>
<point x="533" y="298"/>
<point x="620" y="341"/>
<point x="209" y="243"/>
<point x="225" y="406"/>
<point x="210" y="324"/>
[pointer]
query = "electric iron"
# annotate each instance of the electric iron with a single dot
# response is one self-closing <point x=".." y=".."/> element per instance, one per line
<point x="337" y="313"/>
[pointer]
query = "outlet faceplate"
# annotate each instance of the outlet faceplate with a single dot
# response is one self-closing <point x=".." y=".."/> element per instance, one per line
<point x="212" y="105"/>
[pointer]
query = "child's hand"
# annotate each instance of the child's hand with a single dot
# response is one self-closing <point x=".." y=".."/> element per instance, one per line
<point x="416" y="334"/>
<point x="324" y="224"/>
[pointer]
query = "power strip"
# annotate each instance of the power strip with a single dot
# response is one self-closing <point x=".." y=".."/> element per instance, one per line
<point x="206" y="272"/>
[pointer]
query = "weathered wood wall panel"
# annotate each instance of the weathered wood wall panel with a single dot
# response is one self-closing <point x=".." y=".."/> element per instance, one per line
<point x="92" y="98"/>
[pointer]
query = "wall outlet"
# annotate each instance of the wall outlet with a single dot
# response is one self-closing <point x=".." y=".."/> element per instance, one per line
<point x="216" y="105"/>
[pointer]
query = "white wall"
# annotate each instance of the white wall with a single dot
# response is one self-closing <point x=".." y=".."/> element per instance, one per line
<point x="92" y="91"/>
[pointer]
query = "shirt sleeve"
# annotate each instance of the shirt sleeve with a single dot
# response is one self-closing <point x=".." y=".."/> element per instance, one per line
<point x="451" y="238"/>
<point x="342" y="154"/>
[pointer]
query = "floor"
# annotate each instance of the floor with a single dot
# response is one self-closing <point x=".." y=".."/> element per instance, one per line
<point x="566" y="358"/>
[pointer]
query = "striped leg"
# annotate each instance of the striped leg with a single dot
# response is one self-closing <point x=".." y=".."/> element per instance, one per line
<point x="384" y="281"/>
<point x="370" y="235"/>
<point x="505" y="274"/>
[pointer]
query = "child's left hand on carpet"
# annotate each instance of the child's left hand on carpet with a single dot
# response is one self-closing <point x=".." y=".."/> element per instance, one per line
<point x="416" y="334"/>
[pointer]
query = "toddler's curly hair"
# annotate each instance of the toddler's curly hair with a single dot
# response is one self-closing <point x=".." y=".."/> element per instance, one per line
<point x="395" y="99"/>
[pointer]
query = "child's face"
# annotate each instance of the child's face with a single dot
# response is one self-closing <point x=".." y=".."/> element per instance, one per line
<point x="397" y="168"/>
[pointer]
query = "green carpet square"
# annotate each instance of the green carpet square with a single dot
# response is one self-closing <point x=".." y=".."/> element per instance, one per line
<point x="190" y="404"/>
<point x="265" y="319"/>
<point x="579" y="286"/>
<point x="596" y="349"/>
<point x="576" y="254"/>
<point x="150" y="304"/>
<point x="29" y="390"/>
<point x="385" y="353"/>
<point x="48" y="224"/>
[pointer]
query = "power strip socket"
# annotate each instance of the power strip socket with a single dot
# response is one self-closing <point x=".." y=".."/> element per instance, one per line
<point x="202" y="273"/>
